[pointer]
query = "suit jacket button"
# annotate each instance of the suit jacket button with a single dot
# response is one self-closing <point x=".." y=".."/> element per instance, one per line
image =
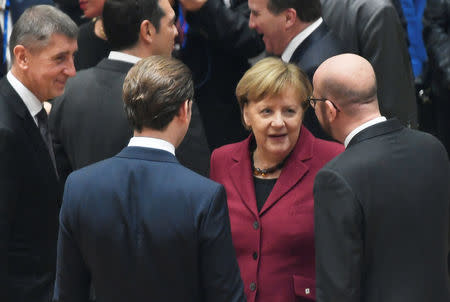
<point x="253" y="286"/>
<point x="255" y="225"/>
<point x="255" y="255"/>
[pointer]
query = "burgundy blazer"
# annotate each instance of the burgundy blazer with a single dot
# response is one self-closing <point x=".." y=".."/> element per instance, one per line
<point x="275" y="246"/>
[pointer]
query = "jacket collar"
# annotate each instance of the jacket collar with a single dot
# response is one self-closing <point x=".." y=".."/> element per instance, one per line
<point x="295" y="168"/>
<point x="382" y="128"/>
<point x="316" y="35"/>
<point x="115" y="65"/>
<point x="149" y="154"/>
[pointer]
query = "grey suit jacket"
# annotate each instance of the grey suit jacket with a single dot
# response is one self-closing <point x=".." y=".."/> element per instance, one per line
<point x="382" y="219"/>
<point x="88" y="123"/>
<point x="372" y="29"/>
<point x="29" y="205"/>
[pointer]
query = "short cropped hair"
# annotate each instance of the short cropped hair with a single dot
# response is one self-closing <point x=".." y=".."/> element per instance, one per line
<point x="37" y="24"/>
<point x="122" y="20"/>
<point x="269" y="77"/>
<point x="153" y="91"/>
<point x="307" y="10"/>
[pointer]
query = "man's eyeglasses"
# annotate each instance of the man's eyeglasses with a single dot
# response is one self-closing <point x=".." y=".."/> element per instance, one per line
<point x="313" y="101"/>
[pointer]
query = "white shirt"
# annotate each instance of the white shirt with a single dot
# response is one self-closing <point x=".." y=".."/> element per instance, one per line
<point x="30" y="100"/>
<point x="362" y="127"/>
<point x="150" y="142"/>
<point x="298" y="39"/>
<point x="120" y="56"/>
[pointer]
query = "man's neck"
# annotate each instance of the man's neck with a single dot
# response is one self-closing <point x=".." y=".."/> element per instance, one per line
<point x="359" y="125"/>
<point x="165" y="135"/>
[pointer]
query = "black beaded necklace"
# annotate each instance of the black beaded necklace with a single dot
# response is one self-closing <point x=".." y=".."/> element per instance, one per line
<point x="264" y="172"/>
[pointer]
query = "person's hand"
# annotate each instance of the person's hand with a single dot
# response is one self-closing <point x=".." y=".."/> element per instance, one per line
<point x="192" y="5"/>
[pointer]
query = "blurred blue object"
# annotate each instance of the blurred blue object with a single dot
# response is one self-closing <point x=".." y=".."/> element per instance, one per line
<point x="413" y="12"/>
<point x="19" y="6"/>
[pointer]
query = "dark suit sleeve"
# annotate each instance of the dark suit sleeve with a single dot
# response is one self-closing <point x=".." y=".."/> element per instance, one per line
<point x="228" y="29"/>
<point x="193" y="152"/>
<point x="338" y="239"/>
<point x="72" y="276"/>
<point x="436" y="36"/>
<point x="55" y="124"/>
<point x="386" y="47"/>
<point x="221" y="280"/>
<point x="9" y="191"/>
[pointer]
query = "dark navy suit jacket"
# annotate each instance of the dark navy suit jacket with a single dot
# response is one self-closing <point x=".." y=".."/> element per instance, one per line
<point x="144" y="228"/>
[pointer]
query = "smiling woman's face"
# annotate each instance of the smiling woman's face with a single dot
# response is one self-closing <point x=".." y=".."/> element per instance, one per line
<point x="275" y="122"/>
<point x="92" y="8"/>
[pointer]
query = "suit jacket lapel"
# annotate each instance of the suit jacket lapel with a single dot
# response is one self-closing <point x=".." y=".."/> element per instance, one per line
<point x="376" y="130"/>
<point x="311" y="39"/>
<point x="15" y="102"/>
<point x="294" y="169"/>
<point x="242" y="176"/>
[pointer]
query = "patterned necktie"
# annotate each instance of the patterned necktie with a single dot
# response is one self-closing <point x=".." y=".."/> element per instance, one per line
<point x="43" y="128"/>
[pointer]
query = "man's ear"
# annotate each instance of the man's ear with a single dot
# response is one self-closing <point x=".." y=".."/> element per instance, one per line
<point x="290" y="17"/>
<point x="21" y="57"/>
<point x="185" y="111"/>
<point x="147" y="31"/>
<point x="330" y="111"/>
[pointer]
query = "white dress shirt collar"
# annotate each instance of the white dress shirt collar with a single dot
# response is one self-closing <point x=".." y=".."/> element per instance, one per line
<point x="120" y="56"/>
<point x="362" y="127"/>
<point x="298" y="39"/>
<point x="150" y="142"/>
<point x="30" y="100"/>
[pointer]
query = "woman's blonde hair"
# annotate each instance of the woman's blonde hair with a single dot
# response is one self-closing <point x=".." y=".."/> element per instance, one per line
<point x="269" y="77"/>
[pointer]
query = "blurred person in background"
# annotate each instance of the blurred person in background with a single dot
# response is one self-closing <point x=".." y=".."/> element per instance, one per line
<point x="217" y="47"/>
<point x="72" y="9"/>
<point x="92" y="42"/>
<point x="269" y="179"/>
<point x="437" y="41"/>
<point x="372" y="29"/>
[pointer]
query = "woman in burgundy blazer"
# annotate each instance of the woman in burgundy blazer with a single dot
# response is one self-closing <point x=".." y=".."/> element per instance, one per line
<point x="269" y="181"/>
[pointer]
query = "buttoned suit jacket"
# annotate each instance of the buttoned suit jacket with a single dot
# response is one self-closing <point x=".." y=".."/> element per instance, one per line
<point x="89" y="124"/>
<point x="142" y="227"/>
<point x="372" y="29"/>
<point x="320" y="45"/>
<point x="29" y="204"/>
<point x="282" y="233"/>
<point x="382" y="219"/>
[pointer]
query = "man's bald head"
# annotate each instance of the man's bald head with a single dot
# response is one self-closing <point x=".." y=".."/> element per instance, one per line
<point x="349" y="80"/>
<point x="348" y="86"/>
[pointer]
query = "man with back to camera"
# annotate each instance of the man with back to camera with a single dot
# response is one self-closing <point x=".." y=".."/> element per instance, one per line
<point x="294" y="30"/>
<point x="382" y="206"/>
<point x="140" y="225"/>
<point x="91" y="126"/>
<point x="42" y="45"/>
